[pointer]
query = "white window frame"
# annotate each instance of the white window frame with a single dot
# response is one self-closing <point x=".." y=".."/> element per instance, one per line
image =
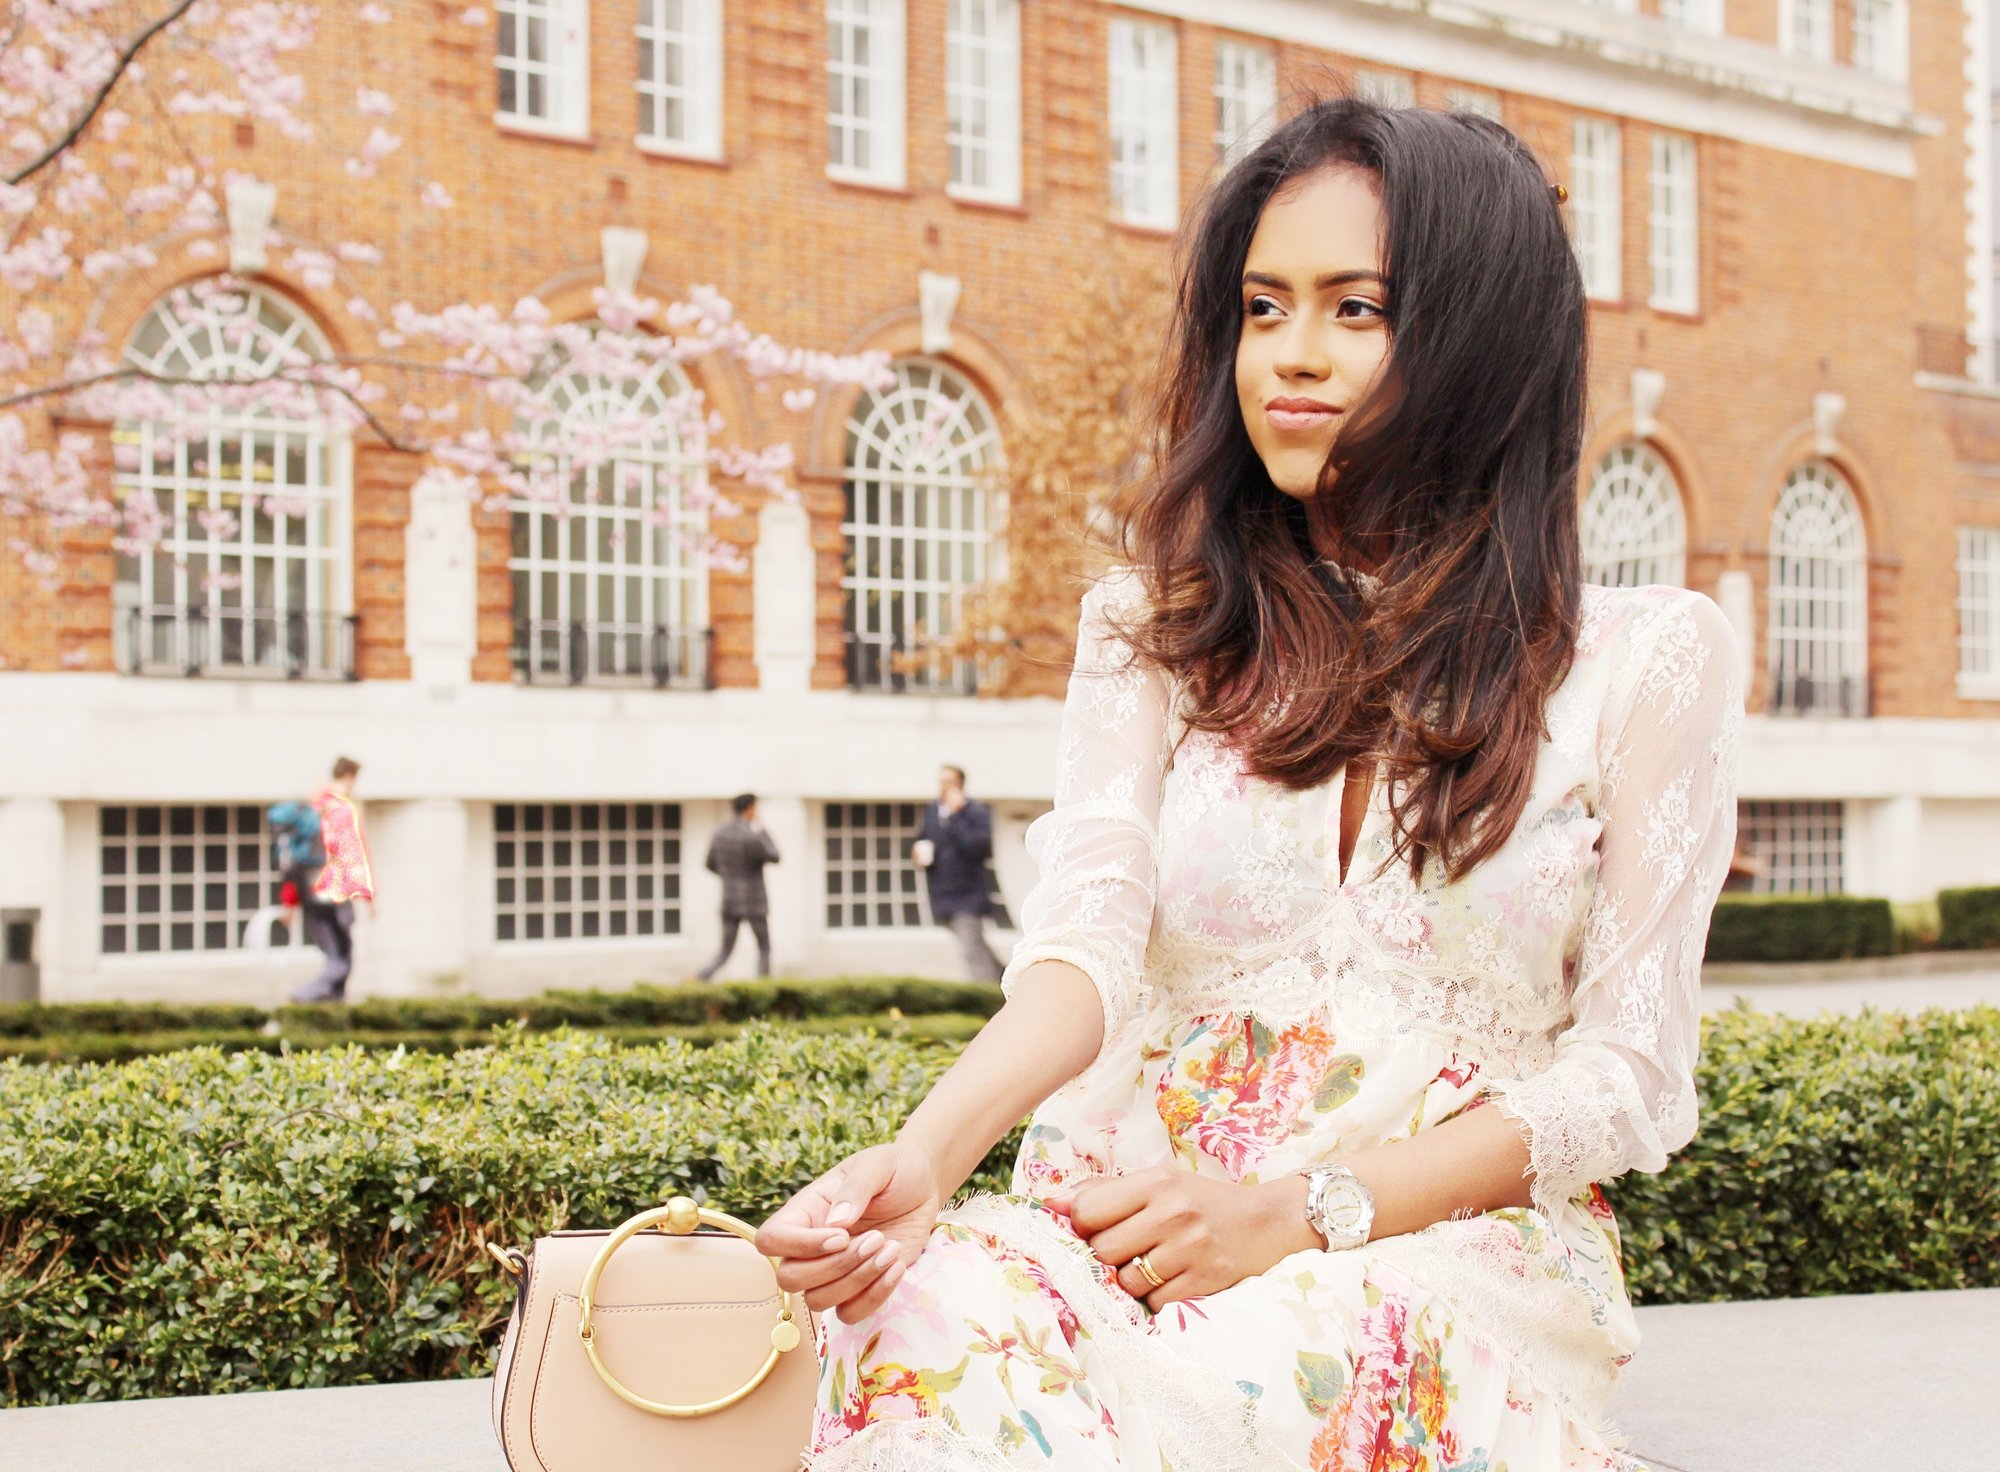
<point x="697" y="49"/>
<point x="616" y="550"/>
<point x="1476" y="100"/>
<point x="922" y="455"/>
<point x="1880" y="39"/>
<point x="1675" y="224"/>
<point x="1145" y="122"/>
<point x="221" y="598"/>
<point x="1819" y="595"/>
<point x="983" y="99"/>
<point x="564" y="71"/>
<point x="131" y="862"/>
<point x="1704" y="17"/>
<point x="865" y="105"/>
<point x="573" y="872"/>
<point x="1634" y="522"/>
<point x="866" y="847"/>
<point x="1385" y="88"/>
<point x="1797" y="847"/>
<point x="1246" y="97"/>
<point x="1597" y="205"/>
<point x="1805" y="28"/>
<point x="1979" y="612"/>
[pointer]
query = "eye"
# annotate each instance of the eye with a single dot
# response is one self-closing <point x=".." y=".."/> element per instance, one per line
<point x="1367" y="307"/>
<point x="1262" y="306"/>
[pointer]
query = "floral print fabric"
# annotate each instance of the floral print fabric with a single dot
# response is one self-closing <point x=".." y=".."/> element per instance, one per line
<point x="1262" y="1016"/>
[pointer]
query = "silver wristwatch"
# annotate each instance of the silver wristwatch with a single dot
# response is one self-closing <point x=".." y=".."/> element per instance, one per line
<point x="1340" y="1208"/>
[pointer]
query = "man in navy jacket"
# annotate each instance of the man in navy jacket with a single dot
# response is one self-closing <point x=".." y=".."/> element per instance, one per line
<point x="954" y="846"/>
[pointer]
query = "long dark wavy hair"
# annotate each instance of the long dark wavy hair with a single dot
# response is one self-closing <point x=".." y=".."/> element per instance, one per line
<point x="1455" y="481"/>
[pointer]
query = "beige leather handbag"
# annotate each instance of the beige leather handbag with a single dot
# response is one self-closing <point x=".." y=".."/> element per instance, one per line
<point x="658" y="1346"/>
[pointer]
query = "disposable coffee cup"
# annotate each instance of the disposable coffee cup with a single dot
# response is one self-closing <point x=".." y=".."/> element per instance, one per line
<point x="923" y="851"/>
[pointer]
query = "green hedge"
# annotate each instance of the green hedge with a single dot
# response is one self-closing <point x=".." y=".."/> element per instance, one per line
<point x="209" y="1222"/>
<point x="1800" y="927"/>
<point x="1969" y="919"/>
<point x="123" y="1047"/>
<point x="110" y="1031"/>
<point x="1837" y="1155"/>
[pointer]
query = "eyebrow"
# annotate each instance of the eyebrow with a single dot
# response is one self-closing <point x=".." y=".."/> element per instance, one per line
<point x="1323" y="283"/>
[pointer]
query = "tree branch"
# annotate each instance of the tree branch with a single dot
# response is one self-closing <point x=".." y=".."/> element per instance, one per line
<point x="90" y="109"/>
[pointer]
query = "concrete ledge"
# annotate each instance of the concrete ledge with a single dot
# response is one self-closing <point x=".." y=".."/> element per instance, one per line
<point x="1876" y="1383"/>
<point x="1873" y="1384"/>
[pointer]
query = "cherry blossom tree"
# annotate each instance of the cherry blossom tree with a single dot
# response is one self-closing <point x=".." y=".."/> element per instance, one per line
<point x="107" y="114"/>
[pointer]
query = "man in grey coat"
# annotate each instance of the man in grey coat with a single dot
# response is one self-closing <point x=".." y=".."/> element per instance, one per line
<point x="738" y="852"/>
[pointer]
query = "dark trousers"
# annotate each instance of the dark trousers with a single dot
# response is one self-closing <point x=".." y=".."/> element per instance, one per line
<point x="970" y="928"/>
<point x="331" y="928"/>
<point x="760" y="927"/>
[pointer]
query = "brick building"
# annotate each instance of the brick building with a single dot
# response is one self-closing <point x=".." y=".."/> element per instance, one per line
<point x="1784" y="209"/>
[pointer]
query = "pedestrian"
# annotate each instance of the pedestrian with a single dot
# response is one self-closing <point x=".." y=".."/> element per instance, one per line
<point x="738" y="853"/>
<point x="954" y="848"/>
<point x="326" y="892"/>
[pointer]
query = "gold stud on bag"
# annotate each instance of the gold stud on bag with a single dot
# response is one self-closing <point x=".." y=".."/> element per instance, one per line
<point x="657" y="1345"/>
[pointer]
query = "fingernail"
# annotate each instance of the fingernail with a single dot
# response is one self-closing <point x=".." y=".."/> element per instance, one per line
<point x="833" y="1241"/>
<point x="867" y="1242"/>
<point x="843" y="1212"/>
<point x="886" y="1256"/>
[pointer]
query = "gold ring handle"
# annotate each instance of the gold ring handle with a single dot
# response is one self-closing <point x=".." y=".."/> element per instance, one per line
<point x="680" y="1216"/>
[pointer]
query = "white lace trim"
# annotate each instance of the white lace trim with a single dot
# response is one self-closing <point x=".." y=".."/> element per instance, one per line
<point x="922" y="1444"/>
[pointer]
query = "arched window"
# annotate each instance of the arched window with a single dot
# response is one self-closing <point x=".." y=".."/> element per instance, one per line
<point x="1819" y="596"/>
<point x="610" y="580"/>
<point x="920" y="458"/>
<point x="1634" y="529"/>
<point x="248" y="572"/>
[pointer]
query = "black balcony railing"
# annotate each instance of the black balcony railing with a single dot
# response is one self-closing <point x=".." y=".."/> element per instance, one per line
<point x="579" y="652"/>
<point x="884" y="663"/>
<point x="1821" y="695"/>
<point x="259" y="642"/>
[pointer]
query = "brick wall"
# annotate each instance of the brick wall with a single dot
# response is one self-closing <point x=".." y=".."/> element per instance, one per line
<point x="1813" y="276"/>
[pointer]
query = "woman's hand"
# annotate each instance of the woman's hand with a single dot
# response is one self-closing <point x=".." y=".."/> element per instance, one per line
<point x="1200" y="1235"/>
<point x="845" y="1240"/>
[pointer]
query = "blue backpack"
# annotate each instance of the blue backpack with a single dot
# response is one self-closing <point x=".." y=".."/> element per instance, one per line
<point x="295" y="835"/>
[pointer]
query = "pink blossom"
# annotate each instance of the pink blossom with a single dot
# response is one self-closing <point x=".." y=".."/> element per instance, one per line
<point x="435" y="196"/>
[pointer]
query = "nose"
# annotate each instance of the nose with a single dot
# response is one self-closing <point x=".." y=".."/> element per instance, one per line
<point x="1301" y="350"/>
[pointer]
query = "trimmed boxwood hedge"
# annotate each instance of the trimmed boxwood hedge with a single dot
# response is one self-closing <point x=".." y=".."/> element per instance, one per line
<point x="202" y="1221"/>
<point x="114" y="1031"/>
<point x="1969" y="919"/>
<point x="1800" y="927"/>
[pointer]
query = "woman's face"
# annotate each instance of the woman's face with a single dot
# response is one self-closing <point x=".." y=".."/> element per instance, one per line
<point x="1314" y="333"/>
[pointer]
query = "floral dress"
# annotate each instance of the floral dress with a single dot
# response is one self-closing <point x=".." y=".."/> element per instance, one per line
<point x="1261" y="1015"/>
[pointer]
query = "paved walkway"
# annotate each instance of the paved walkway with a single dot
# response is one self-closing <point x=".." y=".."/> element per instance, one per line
<point x="1866" y="1384"/>
<point x="1898" y="983"/>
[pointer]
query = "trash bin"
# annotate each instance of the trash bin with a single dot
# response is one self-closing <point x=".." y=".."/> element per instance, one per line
<point x="20" y="972"/>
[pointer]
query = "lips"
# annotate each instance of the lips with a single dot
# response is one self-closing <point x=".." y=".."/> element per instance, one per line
<point x="1297" y="414"/>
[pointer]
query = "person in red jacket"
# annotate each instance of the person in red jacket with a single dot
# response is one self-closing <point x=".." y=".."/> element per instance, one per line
<point x="345" y="877"/>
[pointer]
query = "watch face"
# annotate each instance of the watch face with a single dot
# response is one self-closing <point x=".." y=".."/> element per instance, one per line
<point x="1343" y="1202"/>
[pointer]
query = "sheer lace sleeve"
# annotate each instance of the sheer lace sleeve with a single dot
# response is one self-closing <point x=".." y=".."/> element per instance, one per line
<point x="1620" y="1095"/>
<point x="1097" y="851"/>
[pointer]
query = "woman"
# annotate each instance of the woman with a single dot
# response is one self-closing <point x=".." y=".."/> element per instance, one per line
<point x="1371" y="909"/>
